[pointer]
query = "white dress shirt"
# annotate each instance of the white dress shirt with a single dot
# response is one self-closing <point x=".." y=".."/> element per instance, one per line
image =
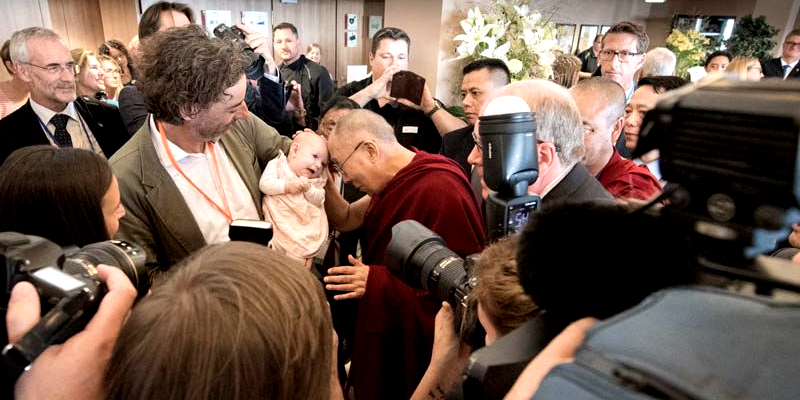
<point x="82" y="137"/>
<point x="199" y="167"/>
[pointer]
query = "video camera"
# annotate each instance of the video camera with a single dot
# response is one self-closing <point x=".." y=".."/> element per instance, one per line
<point x="255" y="69"/>
<point x="729" y="151"/>
<point x="67" y="282"/>
<point x="510" y="164"/>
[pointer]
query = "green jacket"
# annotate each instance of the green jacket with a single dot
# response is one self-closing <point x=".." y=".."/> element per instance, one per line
<point x="157" y="217"/>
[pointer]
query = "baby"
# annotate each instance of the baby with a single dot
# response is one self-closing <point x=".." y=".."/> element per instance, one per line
<point x="294" y="198"/>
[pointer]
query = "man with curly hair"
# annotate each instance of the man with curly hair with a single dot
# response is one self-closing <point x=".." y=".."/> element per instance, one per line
<point x="194" y="165"/>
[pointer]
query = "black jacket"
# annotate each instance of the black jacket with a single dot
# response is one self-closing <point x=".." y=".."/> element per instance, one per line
<point x="773" y="68"/>
<point x="21" y="128"/>
<point x="315" y="82"/>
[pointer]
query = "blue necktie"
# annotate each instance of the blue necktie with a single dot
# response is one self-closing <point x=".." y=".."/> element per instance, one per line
<point x="786" y="69"/>
<point x="61" y="136"/>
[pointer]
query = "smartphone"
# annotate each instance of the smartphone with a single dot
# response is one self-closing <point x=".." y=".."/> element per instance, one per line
<point x="407" y="85"/>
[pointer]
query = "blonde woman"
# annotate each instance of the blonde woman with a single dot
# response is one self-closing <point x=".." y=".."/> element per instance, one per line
<point x="89" y="74"/>
<point x="745" y="69"/>
<point x="112" y="78"/>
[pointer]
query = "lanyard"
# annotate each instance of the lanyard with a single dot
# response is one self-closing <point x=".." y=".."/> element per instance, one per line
<point x="226" y="211"/>
<point x="53" y="138"/>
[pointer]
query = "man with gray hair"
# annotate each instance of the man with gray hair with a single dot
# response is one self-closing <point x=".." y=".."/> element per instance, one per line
<point x="53" y="115"/>
<point x="659" y="61"/>
<point x="559" y="133"/>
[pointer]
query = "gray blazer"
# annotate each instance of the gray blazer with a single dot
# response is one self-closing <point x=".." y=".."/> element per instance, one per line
<point x="157" y="217"/>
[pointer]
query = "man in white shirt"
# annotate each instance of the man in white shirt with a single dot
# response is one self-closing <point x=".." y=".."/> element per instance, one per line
<point x="194" y="167"/>
<point x="54" y="115"/>
<point x="785" y="66"/>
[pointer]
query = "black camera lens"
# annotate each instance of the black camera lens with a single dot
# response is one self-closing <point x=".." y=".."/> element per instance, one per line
<point x="128" y="257"/>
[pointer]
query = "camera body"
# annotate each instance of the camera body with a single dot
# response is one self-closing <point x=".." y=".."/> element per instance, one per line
<point x="256" y="68"/>
<point x="67" y="283"/>
<point x="510" y="164"/>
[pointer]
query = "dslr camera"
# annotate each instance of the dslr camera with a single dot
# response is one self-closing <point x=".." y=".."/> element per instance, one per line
<point x="67" y="283"/>
<point x="421" y="259"/>
<point x="256" y="68"/>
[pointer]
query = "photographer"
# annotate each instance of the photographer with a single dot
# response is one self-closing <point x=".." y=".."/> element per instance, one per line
<point x="74" y="369"/>
<point x="80" y="207"/>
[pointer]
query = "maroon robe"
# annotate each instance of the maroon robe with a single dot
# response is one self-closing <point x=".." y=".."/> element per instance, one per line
<point x="394" y="328"/>
<point x="624" y="179"/>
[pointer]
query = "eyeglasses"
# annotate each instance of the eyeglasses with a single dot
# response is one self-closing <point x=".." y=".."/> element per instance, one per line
<point x="112" y="71"/>
<point x="477" y="141"/>
<point x="624" y="55"/>
<point x="754" y="67"/>
<point x="55" y="69"/>
<point x="791" y="44"/>
<point x="340" y="167"/>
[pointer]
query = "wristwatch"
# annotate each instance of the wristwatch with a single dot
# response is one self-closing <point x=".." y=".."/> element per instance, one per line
<point x="433" y="110"/>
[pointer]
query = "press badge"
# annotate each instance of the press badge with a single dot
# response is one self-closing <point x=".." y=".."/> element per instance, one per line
<point x="410" y="129"/>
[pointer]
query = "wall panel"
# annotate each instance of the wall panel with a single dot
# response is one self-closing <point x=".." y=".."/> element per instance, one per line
<point x="119" y="19"/>
<point x="78" y="22"/>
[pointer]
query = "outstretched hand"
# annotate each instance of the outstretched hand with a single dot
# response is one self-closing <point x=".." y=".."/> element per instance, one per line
<point x="351" y="279"/>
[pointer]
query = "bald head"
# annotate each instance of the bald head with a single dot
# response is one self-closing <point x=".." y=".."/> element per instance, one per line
<point x="557" y="117"/>
<point x="358" y="125"/>
<point x="602" y="91"/>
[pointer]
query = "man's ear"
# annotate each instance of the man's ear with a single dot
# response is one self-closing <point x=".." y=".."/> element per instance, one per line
<point x="22" y="70"/>
<point x="189" y="112"/>
<point x="547" y="155"/>
<point x="616" y="129"/>
<point x="373" y="152"/>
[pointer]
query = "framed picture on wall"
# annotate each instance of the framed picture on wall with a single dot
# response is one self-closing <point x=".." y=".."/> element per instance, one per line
<point x="565" y="36"/>
<point x="212" y="18"/>
<point x="586" y="36"/>
<point x="604" y="28"/>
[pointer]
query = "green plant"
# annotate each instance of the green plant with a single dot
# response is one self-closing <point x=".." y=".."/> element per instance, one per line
<point x="689" y="48"/>
<point x="752" y="37"/>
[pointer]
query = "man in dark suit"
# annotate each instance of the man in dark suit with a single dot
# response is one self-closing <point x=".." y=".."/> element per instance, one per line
<point x="785" y="66"/>
<point x="53" y="115"/>
<point x="559" y="133"/>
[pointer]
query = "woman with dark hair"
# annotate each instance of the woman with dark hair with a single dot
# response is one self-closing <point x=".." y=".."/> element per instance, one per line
<point x="116" y="50"/>
<point x="67" y="195"/>
<point x="233" y="321"/>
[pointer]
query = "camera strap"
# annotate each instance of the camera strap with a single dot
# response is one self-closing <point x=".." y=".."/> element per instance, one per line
<point x="225" y="209"/>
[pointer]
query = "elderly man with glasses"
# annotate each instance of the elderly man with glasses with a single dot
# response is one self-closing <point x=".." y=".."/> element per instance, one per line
<point x="54" y="115"/>
<point x="559" y="132"/>
<point x="785" y="66"/>
<point x="394" y="328"/>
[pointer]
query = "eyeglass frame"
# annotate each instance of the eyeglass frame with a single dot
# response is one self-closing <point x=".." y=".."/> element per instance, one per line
<point x="618" y="54"/>
<point x="791" y="44"/>
<point x="479" y="145"/>
<point x="51" y="68"/>
<point x="340" y="166"/>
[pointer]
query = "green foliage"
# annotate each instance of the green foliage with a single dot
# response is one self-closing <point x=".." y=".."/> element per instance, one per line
<point x="752" y="37"/>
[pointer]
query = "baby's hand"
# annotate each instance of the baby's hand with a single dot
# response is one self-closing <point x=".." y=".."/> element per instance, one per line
<point x="298" y="185"/>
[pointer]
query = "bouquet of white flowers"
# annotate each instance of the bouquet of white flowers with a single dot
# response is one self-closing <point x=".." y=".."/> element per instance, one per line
<point x="512" y="32"/>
